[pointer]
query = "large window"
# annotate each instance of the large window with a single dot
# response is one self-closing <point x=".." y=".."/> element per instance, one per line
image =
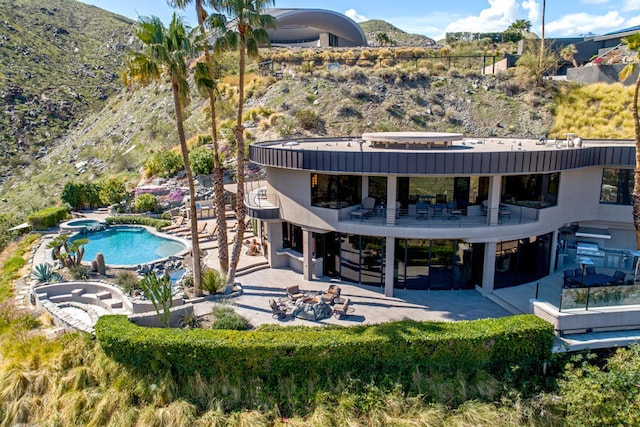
<point x="533" y="191"/>
<point x="335" y="191"/>
<point x="617" y="186"/>
<point x="292" y="237"/>
<point x="522" y="261"/>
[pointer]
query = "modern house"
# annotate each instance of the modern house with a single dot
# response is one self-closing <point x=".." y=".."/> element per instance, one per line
<point x="314" y="28"/>
<point x="439" y="211"/>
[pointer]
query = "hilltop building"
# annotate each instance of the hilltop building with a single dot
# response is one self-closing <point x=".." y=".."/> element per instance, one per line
<point x="314" y="28"/>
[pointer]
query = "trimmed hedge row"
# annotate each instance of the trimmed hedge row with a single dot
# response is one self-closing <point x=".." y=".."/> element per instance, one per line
<point x="138" y="220"/>
<point x="47" y="218"/>
<point x="392" y="350"/>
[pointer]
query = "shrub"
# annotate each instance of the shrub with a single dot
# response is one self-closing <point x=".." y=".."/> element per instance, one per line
<point x="47" y="218"/>
<point x="80" y="195"/>
<point x="138" y="220"/>
<point x="128" y="281"/>
<point x="164" y="164"/>
<point x="201" y="160"/>
<point x="233" y="323"/>
<point x="510" y="349"/>
<point x="212" y="281"/>
<point x="112" y="191"/>
<point x="160" y="293"/>
<point x="285" y="126"/>
<point x="79" y="272"/>
<point x="307" y="119"/>
<point x="189" y="320"/>
<point x="145" y="203"/>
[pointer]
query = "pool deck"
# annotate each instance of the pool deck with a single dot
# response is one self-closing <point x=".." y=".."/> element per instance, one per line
<point x="369" y="305"/>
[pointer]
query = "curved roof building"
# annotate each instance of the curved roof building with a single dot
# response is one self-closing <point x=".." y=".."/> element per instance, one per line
<point x="315" y="27"/>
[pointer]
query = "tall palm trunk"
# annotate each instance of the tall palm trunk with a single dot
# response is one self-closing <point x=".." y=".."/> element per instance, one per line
<point x="636" y="171"/>
<point x="239" y="135"/>
<point x="218" y="179"/>
<point x="544" y="6"/>
<point x="192" y="191"/>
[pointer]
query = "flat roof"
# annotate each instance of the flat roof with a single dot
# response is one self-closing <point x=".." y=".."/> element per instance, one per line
<point x="416" y="139"/>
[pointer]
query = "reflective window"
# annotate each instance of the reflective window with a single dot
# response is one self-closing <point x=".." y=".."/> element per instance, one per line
<point x="532" y="190"/>
<point x="292" y="237"/>
<point x="617" y="186"/>
<point x="335" y="191"/>
<point x="522" y="261"/>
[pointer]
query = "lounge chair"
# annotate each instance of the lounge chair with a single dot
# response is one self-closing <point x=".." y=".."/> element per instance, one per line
<point x="277" y="311"/>
<point x="175" y="225"/>
<point x="618" y="277"/>
<point x="213" y="235"/>
<point x="294" y="293"/>
<point x="340" y="310"/>
<point x="367" y="207"/>
<point x="186" y="231"/>
<point x="331" y="294"/>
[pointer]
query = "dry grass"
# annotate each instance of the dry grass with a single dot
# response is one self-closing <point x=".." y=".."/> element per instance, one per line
<point x="595" y="111"/>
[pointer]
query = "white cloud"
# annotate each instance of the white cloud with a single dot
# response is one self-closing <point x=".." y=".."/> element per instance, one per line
<point x="595" y="1"/>
<point x="353" y="14"/>
<point x="631" y="5"/>
<point x="533" y="10"/>
<point x="499" y="15"/>
<point x="582" y="23"/>
<point x="632" y="22"/>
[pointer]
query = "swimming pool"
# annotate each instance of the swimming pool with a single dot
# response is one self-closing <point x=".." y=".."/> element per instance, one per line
<point x="125" y="245"/>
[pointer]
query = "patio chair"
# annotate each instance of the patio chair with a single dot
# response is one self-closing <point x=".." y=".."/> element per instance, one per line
<point x="294" y="293"/>
<point x="368" y="205"/>
<point x="578" y="273"/>
<point x="569" y="279"/>
<point x="342" y="309"/>
<point x="618" y="277"/>
<point x="331" y="294"/>
<point x="175" y="225"/>
<point x="591" y="270"/>
<point x="277" y="311"/>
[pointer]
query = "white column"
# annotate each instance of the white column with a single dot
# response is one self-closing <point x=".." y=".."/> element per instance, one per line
<point x="553" y="252"/>
<point x="392" y="186"/>
<point x="307" y="256"/>
<point x="274" y="231"/>
<point x="489" y="269"/>
<point x="389" y="271"/>
<point x="365" y="187"/>
<point x="493" y="203"/>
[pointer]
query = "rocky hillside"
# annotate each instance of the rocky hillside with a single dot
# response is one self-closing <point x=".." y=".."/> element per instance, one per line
<point x="396" y="37"/>
<point x="61" y="59"/>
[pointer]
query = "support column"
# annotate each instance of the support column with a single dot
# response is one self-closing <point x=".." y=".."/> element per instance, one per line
<point x="493" y="203"/>
<point x="389" y="270"/>
<point x="307" y="248"/>
<point x="274" y="231"/>
<point x="392" y="190"/>
<point x="489" y="268"/>
<point x="554" y="252"/>
<point x="365" y="187"/>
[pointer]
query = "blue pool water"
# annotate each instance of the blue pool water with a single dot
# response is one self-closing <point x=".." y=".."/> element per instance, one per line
<point x="129" y="246"/>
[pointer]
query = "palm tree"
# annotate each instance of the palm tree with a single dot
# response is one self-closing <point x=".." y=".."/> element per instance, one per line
<point x="165" y="54"/>
<point x="241" y="24"/>
<point x="633" y="43"/>
<point x="206" y="83"/>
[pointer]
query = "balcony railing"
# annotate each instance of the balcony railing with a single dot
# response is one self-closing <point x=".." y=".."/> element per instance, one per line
<point x="474" y="216"/>
<point x="262" y="204"/>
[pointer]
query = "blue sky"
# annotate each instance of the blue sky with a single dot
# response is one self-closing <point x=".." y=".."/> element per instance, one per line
<point x="564" y="18"/>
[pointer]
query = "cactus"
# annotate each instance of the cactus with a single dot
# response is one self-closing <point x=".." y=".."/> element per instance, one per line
<point x="100" y="266"/>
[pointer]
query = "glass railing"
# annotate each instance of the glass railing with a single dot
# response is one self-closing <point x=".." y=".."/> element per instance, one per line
<point x="593" y="297"/>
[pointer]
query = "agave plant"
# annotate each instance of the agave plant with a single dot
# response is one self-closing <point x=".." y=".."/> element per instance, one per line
<point x="44" y="273"/>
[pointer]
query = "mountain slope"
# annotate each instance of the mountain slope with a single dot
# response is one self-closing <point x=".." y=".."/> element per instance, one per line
<point x="60" y="60"/>
<point x="374" y="27"/>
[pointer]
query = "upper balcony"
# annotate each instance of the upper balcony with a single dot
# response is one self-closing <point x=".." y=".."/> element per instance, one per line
<point x="261" y="204"/>
<point x="441" y="216"/>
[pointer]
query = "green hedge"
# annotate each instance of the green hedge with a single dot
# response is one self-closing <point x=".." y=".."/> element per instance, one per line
<point x="47" y="218"/>
<point x="391" y="351"/>
<point x="138" y="220"/>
